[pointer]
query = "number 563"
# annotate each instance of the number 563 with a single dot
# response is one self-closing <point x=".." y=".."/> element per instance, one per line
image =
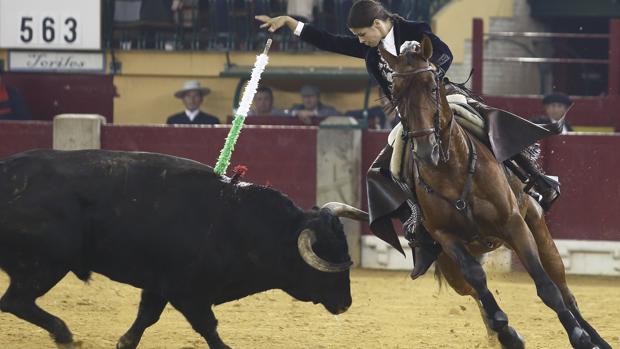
<point x="49" y="29"/>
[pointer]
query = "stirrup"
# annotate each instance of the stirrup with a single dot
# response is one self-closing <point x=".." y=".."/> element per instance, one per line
<point x="424" y="255"/>
<point x="424" y="250"/>
<point x="548" y="189"/>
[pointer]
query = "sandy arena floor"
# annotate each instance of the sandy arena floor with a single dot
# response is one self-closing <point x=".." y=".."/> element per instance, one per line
<point x="388" y="311"/>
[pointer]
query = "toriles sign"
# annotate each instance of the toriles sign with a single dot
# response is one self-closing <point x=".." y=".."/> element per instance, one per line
<point x="43" y="61"/>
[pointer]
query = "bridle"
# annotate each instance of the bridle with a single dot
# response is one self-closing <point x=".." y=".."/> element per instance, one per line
<point x="444" y="153"/>
<point x="460" y="204"/>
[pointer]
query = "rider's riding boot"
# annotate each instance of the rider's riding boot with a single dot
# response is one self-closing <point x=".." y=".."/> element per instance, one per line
<point x="425" y="251"/>
<point x="548" y="188"/>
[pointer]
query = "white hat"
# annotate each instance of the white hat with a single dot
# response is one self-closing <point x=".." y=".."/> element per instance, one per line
<point x="191" y="85"/>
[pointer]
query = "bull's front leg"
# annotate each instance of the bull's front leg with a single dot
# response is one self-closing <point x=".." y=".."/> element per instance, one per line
<point x="199" y="314"/>
<point x="151" y="307"/>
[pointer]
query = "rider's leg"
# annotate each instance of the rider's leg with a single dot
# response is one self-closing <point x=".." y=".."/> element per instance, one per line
<point x="424" y="249"/>
<point x="547" y="187"/>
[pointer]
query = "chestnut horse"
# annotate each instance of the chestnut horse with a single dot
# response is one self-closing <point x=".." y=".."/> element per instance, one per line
<point x="472" y="204"/>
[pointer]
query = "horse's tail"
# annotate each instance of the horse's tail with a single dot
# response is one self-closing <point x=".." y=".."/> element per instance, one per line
<point x="441" y="280"/>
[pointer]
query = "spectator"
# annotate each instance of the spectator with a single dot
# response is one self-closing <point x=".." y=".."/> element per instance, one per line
<point x="312" y="105"/>
<point x="263" y="103"/>
<point x="556" y="105"/>
<point x="192" y="95"/>
<point x="12" y="103"/>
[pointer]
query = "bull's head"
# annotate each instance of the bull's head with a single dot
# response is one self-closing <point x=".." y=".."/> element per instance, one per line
<point x="322" y="245"/>
<point x="307" y="238"/>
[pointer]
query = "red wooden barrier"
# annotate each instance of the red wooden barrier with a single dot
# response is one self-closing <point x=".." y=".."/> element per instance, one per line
<point x="282" y="157"/>
<point x="50" y="94"/>
<point x="18" y="136"/>
<point x="588" y="170"/>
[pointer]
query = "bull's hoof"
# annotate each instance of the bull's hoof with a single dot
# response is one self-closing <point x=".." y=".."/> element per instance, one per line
<point x="510" y="338"/>
<point x="580" y="339"/>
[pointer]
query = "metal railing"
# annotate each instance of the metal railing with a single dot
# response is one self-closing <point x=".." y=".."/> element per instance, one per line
<point x="613" y="60"/>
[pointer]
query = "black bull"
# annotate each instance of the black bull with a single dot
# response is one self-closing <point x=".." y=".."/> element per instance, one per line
<point x="167" y="225"/>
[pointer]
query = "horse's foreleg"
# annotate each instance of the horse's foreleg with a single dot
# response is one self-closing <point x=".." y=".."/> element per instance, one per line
<point x="552" y="262"/>
<point x="524" y="245"/>
<point x="452" y="274"/>
<point x="472" y="272"/>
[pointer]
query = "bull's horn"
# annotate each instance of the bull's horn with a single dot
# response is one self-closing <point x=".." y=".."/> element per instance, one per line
<point x="343" y="210"/>
<point x="304" y="243"/>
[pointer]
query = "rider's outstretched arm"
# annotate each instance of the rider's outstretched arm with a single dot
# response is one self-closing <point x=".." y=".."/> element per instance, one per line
<point x="346" y="45"/>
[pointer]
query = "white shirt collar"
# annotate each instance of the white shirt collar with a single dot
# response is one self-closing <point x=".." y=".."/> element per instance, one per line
<point x="388" y="42"/>
<point x="192" y="114"/>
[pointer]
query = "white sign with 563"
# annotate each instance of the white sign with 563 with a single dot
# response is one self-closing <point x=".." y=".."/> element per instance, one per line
<point x="44" y="24"/>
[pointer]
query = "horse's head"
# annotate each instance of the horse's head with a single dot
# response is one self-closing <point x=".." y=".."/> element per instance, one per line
<point x="417" y="94"/>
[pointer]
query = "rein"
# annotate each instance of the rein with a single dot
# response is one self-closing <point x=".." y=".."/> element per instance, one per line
<point x="444" y="153"/>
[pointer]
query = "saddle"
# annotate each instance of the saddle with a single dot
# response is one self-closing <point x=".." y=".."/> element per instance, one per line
<point x="506" y="134"/>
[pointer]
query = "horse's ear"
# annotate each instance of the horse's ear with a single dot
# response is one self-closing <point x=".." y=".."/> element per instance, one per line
<point x="427" y="48"/>
<point x="391" y="60"/>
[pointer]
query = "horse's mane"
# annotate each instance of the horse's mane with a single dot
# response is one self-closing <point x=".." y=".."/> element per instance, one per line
<point x="463" y="89"/>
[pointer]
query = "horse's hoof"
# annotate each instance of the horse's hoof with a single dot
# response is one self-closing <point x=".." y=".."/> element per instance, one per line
<point x="580" y="339"/>
<point x="510" y="338"/>
<point x="126" y="342"/>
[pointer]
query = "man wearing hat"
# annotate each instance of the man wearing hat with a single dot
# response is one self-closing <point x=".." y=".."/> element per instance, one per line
<point x="556" y="105"/>
<point x="311" y="105"/>
<point x="192" y="95"/>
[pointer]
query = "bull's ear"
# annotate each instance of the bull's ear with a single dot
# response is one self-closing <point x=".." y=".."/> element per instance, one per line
<point x="427" y="48"/>
<point x="391" y="60"/>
